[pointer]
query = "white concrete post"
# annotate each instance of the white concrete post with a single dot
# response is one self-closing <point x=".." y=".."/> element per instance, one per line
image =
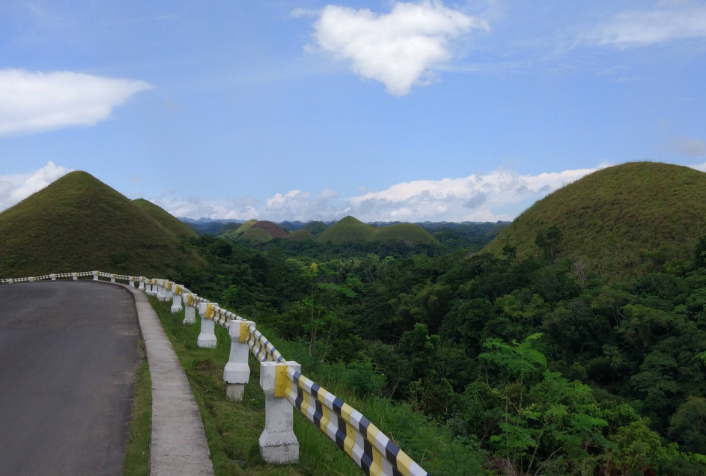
<point x="278" y="444"/>
<point x="53" y="277"/>
<point x="176" y="299"/>
<point x="237" y="372"/>
<point x="142" y="284"/>
<point x="189" y="312"/>
<point x="169" y="286"/>
<point x="132" y="282"/>
<point x="95" y="276"/>
<point x="161" y="292"/>
<point x="152" y="288"/>
<point x="75" y="276"/>
<point x="207" y="337"/>
<point x="112" y="278"/>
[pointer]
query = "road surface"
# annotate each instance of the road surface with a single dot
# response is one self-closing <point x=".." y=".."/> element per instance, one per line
<point x="68" y="353"/>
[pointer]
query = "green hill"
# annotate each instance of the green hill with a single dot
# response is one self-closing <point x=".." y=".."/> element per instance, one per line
<point x="228" y="227"/>
<point x="347" y="230"/>
<point x="80" y="224"/>
<point x="616" y="218"/>
<point x="315" y="227"/>
<point x="408" y="232"/>
<point x="350" y="230"/>
<point x="168" y="221"/>
<point x="272" y="229"/>
<point x="256" y="236"/>
<point x="300" y="235"/>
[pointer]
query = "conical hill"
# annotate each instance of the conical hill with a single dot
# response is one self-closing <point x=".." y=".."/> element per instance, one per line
<point x="350" y="230"/>
<point x="163" y="217"/>
<point x="80" y="224"/>
<point x="620" y="221"/>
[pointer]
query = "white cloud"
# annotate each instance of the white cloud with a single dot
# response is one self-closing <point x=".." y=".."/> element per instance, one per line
<point x="398" y="49"/>
<point x="671" y="20"/>
<point x="194" y="207"/>
<point x="15" y="188"/>
<point x="686" y="146"/>
<point x="34" y="101"/>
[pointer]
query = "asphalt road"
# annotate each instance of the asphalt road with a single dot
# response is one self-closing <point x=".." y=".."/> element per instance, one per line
<point x="68" y="353"/>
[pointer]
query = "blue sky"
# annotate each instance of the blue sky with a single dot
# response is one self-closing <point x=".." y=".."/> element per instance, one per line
<point x="313" y="110"/>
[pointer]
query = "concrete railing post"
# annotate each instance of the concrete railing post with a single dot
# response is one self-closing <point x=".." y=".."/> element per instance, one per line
<point x="237" y="372"/>
<point x="95" y="276"/>
<point x="176" y="300"/>
<point x="169" y="286"/>
<point x="132" y="282"/>
<point x="53" y="277"/>
<point x="207" y="337"/>
<point x="153" y="288"/>
<point x="142" y="284"/>
<point x="189" y="310"/>
<point x="112" y="278"/>
<point x="278" y="444"/>
<point x="75" y="276"/>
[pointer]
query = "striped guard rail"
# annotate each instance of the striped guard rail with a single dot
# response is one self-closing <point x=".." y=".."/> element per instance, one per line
<point x="362" y="441"/>
<point x="262" y="348"/>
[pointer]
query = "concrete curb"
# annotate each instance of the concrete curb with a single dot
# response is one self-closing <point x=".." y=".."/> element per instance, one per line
<point x="178" y="445"/>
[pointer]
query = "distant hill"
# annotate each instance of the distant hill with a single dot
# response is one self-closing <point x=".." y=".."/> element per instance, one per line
<point x="80" y="224"/>
<point x="228" y="227"/>
<point x="315" y="227"/>
<point x="300" y="235"/>
<point x="272" y="229"/>
<point x="610" y="220"/>
<point x="350" y="229"/>
<point x="168" y="221"/>
<point x="256" y="236"/>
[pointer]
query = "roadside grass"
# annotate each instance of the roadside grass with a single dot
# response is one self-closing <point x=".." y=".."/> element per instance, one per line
<point x="233" y="429"/>
<point x="137" y="456"/>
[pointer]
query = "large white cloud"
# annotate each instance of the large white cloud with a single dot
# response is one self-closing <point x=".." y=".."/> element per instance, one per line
<point x="15" y="188"/>
<point x="34" y="101"/>
<point x="398" y="48"/>
<point x="669" y="20"/>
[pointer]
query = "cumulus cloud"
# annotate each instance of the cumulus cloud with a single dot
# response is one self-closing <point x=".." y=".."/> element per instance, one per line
<point x="15" y="188"/>
<point x="670" y="20"/>
<point x="686" y="146"/>
<point x="34" y="101"/>
<point x="398" y="49"/>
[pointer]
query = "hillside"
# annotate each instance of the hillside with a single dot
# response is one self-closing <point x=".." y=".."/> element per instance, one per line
<point x="610" y="219"/>
<point x="256" y="236"/>
<point x="350" y="230"/>
<point x="79" y="224"/>
<point x="300" y="235"/>
<point x="272" y="229"/>
<point x="168" y="221"/>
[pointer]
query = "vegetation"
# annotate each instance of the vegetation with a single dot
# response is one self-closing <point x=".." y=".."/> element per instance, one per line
<point x="256" y="236"/>
<point x="137" y="456"/>
<point x="79" y="224"/>
<point x="624" y="221"/>
<point x="533" y="365"/>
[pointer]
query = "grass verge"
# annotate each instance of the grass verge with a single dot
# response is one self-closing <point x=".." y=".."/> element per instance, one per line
<point x="233" y="429"/>
<point x="137" y="456"/>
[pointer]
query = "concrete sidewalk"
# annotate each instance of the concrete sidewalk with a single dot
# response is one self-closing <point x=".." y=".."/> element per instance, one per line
<point x="179" y="445"/>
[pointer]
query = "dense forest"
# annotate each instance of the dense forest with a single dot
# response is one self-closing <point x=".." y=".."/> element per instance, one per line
<point x="535" y="365"/>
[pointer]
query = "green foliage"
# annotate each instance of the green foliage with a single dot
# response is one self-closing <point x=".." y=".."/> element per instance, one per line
<point x="351" y="230"/>
<point x="162" y="217"/>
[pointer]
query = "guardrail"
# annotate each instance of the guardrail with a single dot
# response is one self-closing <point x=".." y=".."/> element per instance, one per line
<point x="282" y="382"/>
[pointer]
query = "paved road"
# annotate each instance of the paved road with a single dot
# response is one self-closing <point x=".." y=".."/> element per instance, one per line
<point x="68" y="352"/>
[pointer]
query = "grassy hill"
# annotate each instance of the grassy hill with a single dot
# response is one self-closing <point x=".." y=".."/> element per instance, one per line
<point x="315" y="227"/>
<point x="256" y="236"/>
<point x="613" y="219"/>
<point x="350" y="230"/>
<point x="300" y="235"/>
<point x="272" y="229"/>
<point x="168" y="221"/>
<point x="79" y="224"/>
